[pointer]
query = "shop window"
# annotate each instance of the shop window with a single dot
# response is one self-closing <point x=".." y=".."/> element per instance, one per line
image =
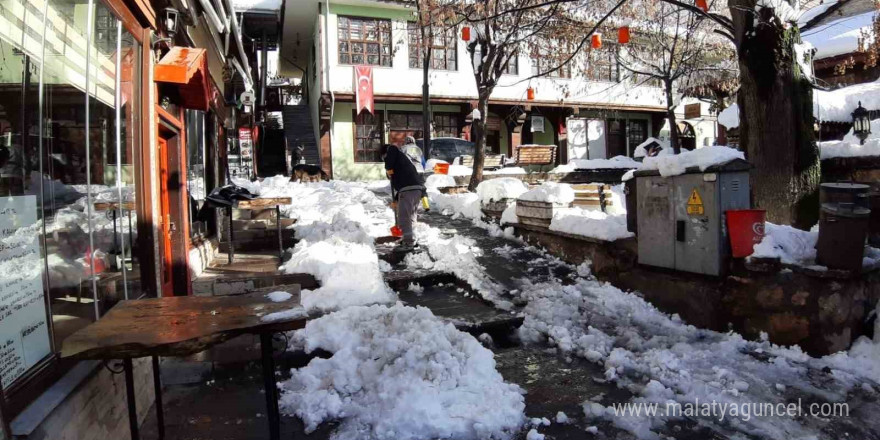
<point x="364" y="41"/>
<point x="602" y="64"/>
<point x="636" y="132"/>
<point x="443" y="48"/>
<point x="196" y="184"/>
<point x="367" y="137"/>
<point x="68" y="154"/>
<point x="446" y="125"/>
<point x="512" y="66"/>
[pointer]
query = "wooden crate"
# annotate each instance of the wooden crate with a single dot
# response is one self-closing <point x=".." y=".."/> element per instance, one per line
<point x="496" y="207"/>
<point x="490" y="161"/>
<point x="592" y="196"/>
<point x="537" y="213"/>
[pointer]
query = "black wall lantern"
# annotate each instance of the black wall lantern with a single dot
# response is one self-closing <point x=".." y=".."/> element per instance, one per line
<point x="171" y="22"/>
<point x="861" y="123"/>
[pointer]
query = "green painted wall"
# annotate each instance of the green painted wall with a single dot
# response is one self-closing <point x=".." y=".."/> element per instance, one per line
<point x="545" y="138"/>
<point x="344" y="167"/>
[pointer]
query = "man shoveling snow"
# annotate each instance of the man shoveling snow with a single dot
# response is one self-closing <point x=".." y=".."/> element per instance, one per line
<point x="407" y="189"/>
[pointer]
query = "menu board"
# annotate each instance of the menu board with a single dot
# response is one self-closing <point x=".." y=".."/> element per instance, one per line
<point x="24" y="330"/>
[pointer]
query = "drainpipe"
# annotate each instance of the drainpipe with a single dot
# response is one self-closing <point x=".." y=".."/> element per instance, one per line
<point x="327" y="72"/>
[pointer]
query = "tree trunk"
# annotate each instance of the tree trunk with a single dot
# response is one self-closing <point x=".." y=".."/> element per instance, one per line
<point x="478" y="134"/>
<point x="674" y="141"/>
<point x="776" y="122"/>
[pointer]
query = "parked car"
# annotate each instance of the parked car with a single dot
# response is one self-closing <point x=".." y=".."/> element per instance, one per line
<point x="448" y="148"/>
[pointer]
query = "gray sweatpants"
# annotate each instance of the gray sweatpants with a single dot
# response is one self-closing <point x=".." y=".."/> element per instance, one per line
<point x="407" y="211"/>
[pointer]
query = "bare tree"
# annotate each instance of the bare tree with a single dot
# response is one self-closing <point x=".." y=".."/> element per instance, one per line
<point x="674" y="47"/>
<point x="503" y="28"/>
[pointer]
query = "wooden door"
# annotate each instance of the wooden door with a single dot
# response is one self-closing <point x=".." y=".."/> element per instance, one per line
<point x="616" y="138"/>
<point x="167" y="266"/>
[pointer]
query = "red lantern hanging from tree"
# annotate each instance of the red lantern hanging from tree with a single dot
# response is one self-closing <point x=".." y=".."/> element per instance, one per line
<point x="702" y="4"/>
<point x="596" y="41"/>
<point x="623" y="35"/>
<point x="530" y="94"/>
<point x="466" y="33"/>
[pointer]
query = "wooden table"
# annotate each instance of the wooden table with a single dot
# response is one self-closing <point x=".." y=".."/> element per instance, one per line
<point x="258" y="204"/>
<point x="181" y="326"/>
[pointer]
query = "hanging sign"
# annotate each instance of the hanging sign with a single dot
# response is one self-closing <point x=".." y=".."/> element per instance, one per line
<point x="537" y="124"/>
<point x="24" y="330"/>
<point x="245" y="142"/>
<point x="363" y="86"/>
<point x="248" y="98"/>
<point x="695" y="204"/>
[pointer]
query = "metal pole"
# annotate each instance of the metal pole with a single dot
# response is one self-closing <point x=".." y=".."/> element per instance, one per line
<point x="270" y="386"/>
<point x="278" y="229"/>
<point x="229" y="235"/>
<point x="129" y="394"/>
<point x="264" y="60"/>
<point x="157" y="387"/>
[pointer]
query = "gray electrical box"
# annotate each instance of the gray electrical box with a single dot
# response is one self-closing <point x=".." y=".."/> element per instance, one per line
<point x="681" y="220"/>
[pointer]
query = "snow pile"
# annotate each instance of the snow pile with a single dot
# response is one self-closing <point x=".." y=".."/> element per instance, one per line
<point x="590" y="223"/>
<point x="790" y="245"/>
<point x="833" y="149"/>
<point x="729" y="117"/>
<point x="851" y="146"/>
<point x="440" y="181"/>
<point x="509" y="216"/>
<point x="838" y="105"/>
<point x="400" y="373"/>
<point x="675" y="164"/>
<point x="348" y="272"/>
<point x="616" y="162"/>
<point x="550" y="192"/>
<point x="494" y="190"/>
<point x="467" y="204"/>
<point x="279" y="296"/>
<point x="350" y="208"/>
<point x="840" y="36"/>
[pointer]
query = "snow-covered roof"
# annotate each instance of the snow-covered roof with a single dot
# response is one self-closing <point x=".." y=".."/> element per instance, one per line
<point x="838" y="105"/>
<point x="814" y="12"/>
<point x="840" y="36"/>
<point x="256" y="5"/>
<point x="850" y="145"/>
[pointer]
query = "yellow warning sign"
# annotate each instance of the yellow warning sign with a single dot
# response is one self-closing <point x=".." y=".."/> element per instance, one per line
<point x="695" y="204"/>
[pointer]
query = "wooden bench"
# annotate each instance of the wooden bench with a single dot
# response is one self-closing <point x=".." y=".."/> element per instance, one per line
<point x="490" y="162"/>
<point x="535" y="155"/>
<point x="592" y="196"/>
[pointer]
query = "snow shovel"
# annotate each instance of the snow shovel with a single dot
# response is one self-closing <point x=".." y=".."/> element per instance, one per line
<point x="395" y="230"/>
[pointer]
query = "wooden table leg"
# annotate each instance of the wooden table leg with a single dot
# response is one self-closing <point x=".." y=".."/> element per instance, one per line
<point x="230" y="237"/>
<point x="157" y="386"/>
<point x="278" y="229"/>
<point x="270" y="386"/>
<point x="129" y="394"/>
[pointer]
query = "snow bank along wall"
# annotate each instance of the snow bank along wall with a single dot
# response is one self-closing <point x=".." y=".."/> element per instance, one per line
<point x="823" y="312"/>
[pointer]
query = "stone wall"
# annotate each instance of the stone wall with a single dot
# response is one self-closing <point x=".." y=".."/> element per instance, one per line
<point x="823" y="312"/>
<point x="97" y="409"/>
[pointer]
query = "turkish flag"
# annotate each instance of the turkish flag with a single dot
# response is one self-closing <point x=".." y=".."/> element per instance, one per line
<point x="363" y="88"/>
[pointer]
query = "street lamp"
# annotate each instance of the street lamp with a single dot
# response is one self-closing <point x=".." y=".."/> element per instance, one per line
<point x="861" y="123"/>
